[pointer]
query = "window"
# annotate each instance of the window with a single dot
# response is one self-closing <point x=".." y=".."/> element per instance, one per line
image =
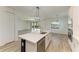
<point x="55" y="25"/>
<point x="35" y="25"/>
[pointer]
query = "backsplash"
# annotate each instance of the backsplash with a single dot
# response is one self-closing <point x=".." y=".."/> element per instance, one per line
<point x="23" y="31"/>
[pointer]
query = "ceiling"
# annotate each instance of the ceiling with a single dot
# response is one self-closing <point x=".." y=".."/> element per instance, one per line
<point x="44" y="11"/>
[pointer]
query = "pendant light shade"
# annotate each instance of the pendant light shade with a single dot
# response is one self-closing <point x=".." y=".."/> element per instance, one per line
<point x="37" y="17"/>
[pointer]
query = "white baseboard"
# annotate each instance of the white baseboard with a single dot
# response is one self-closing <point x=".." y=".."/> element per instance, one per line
<point x="2" y="43"/>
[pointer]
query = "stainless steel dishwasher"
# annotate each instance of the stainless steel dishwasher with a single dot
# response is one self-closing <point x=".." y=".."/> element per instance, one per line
<point x="41" y="45"/>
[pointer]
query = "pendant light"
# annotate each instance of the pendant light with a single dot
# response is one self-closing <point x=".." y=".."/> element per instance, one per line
<point x="37" y="18"/>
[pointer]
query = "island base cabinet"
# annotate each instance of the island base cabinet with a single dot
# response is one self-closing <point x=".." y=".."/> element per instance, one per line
<point x="27" y="46"/>
<point x="41" y="45"/>
<point x="31" y="47"/>
<point x="47" y="40"/>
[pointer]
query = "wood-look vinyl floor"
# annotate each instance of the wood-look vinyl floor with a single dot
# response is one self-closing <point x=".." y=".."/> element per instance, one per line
<point x="59" y="43"/>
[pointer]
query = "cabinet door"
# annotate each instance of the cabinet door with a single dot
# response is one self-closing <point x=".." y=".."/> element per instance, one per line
<point x="41" y="45"/>
<point x="47" y="40"/>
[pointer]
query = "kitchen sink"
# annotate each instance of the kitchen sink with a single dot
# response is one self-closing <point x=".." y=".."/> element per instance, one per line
<point x="43" y="32"/>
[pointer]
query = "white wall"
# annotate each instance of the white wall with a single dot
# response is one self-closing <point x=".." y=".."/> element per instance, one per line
<point x="10" y="22"/>
<point x="76" y="22"/>
<point x="6" y="27"/>
<point x="63" y="28"/>
<point x="21" y="24"/>
<point x="74" y="14"/>
<point x="76" y="27"/>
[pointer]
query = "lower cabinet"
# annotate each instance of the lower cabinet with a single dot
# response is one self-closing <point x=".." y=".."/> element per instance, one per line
<point x="31" y="47"/>
<point x="41" y="45"/>
<point x="47" y="40"/>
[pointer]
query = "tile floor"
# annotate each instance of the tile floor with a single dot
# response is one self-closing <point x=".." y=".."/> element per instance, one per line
<point x="59" y="43"/>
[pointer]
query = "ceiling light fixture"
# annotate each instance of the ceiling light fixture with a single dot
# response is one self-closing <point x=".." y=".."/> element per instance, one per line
<point x="37" y="17"/>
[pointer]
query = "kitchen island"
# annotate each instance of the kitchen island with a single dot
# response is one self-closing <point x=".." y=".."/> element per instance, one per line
<point x="33" y="42"/>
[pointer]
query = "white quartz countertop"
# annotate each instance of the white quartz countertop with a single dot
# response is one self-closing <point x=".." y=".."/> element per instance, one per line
<point x="32" y="37"/>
